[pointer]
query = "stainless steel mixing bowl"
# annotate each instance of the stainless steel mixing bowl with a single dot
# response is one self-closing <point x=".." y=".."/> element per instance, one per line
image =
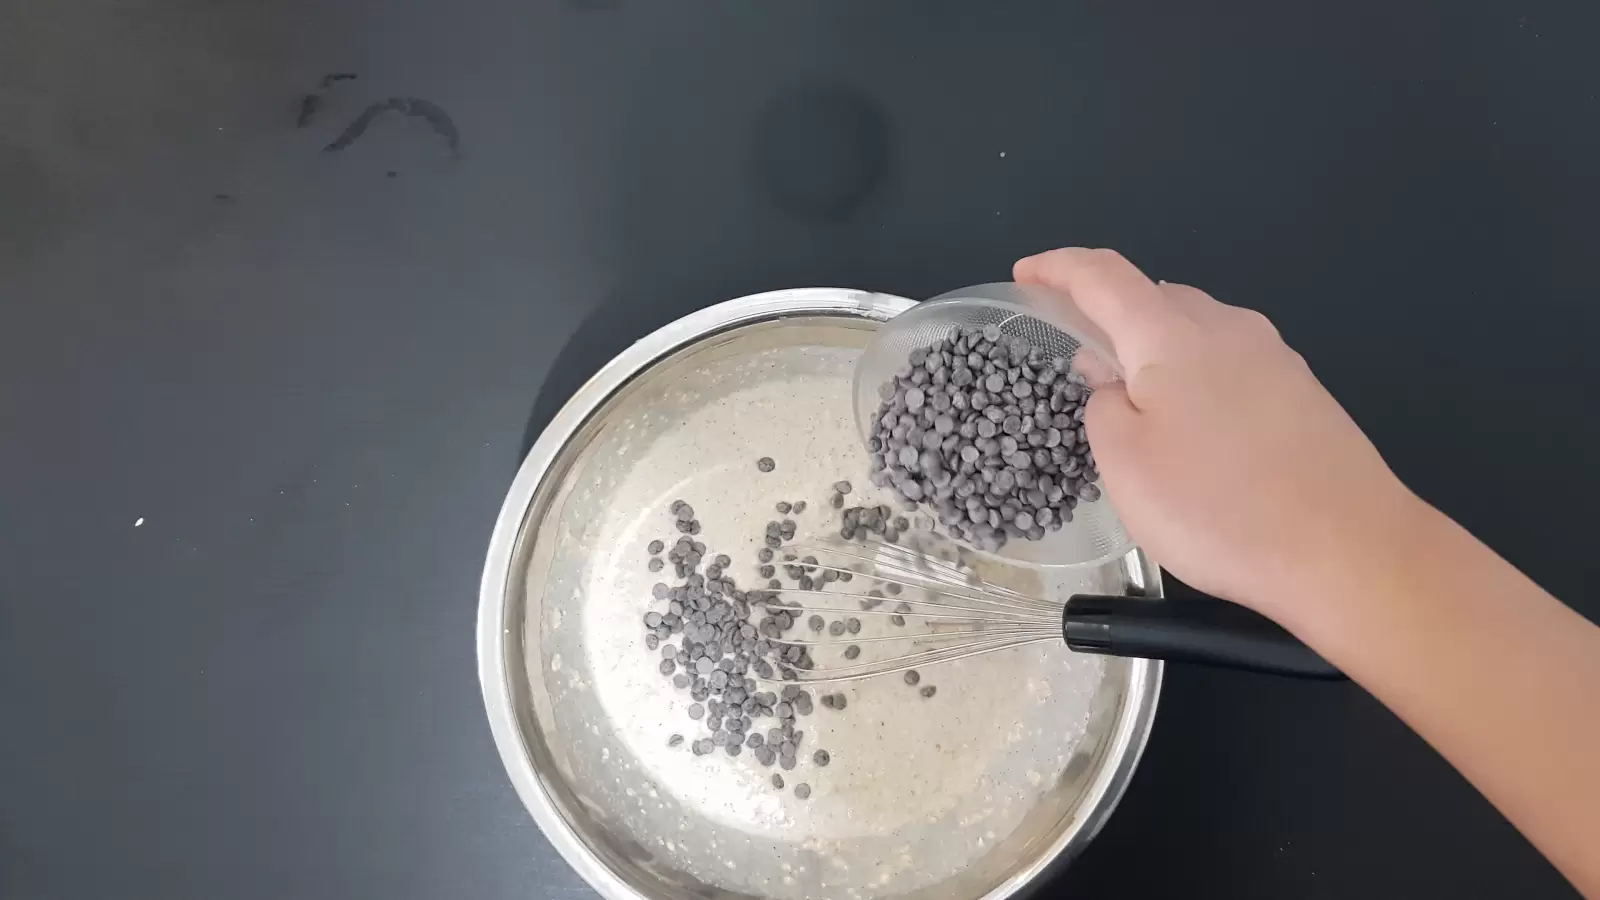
<point x="608" y="806"/>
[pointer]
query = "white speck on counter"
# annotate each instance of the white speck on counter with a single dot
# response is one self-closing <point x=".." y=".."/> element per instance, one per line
<point x="139" y="521"/>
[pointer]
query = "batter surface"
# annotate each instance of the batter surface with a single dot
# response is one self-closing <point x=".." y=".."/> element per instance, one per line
<point x="917" y="788"/>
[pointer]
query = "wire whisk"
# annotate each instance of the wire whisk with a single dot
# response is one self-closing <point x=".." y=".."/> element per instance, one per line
<point x="929" y="603"/>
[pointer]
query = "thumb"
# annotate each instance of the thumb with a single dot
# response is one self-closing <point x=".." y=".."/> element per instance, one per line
<point x="1111" y="292"/>
<point x="1112" y="422"/>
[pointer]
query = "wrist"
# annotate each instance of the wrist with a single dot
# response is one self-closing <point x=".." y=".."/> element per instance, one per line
<point x="1362" y="572"/>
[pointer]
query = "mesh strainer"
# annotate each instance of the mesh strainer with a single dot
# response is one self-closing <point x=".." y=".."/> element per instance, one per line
<point x="1095" y="534"/>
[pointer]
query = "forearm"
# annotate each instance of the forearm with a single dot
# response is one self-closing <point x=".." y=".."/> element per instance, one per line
<point x="1232" y="464"/>
<point x="1501" y="678"/>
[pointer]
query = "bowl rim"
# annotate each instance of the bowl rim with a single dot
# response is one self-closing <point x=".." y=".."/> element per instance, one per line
<point x="1134" y="718"/>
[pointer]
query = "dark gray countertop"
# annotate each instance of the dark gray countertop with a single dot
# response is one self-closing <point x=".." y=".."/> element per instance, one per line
<point x="309" y="374"/>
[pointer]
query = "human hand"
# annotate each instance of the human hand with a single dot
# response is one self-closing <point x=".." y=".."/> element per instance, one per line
<point x="1224" y="456"/>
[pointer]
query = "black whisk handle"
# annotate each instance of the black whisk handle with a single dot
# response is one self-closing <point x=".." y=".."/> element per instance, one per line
<point x="1200" y="630"/>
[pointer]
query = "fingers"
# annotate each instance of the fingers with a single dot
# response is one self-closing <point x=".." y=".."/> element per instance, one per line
<point x="1110" y="291"/>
